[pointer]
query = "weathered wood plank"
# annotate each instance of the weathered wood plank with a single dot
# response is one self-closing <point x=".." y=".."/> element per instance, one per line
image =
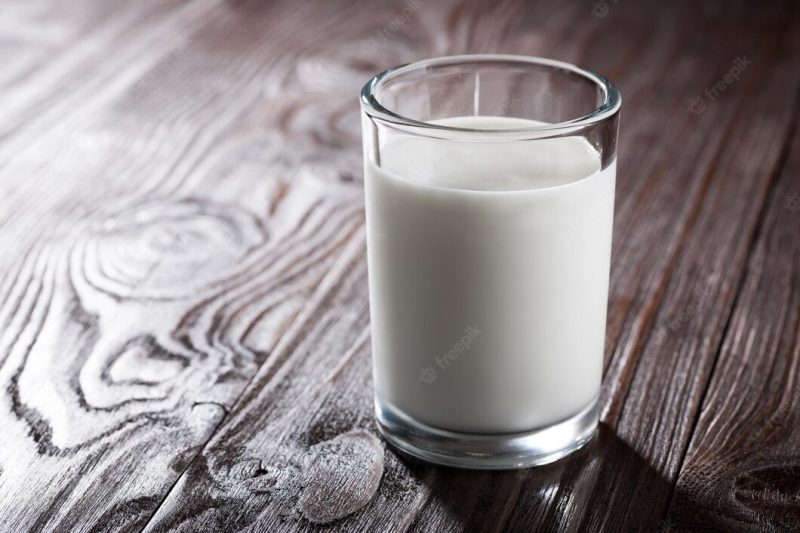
<point x="165" y="246"/>
<point x="58" y="57"/>
<point x="742" y="470"/>
<point x="42" y="39"/>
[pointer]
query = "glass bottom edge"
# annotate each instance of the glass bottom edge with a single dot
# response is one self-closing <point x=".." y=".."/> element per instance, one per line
<point x="487" y="451"/>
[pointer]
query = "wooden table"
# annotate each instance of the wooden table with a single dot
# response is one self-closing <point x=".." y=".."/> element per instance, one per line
<point x="184" y="333"/>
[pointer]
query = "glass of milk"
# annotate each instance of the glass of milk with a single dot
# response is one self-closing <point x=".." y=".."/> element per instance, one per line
<point x="489" y="199"/>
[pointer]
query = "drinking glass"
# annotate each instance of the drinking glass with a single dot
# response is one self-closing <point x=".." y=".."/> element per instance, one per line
<point x="489" y="184"/>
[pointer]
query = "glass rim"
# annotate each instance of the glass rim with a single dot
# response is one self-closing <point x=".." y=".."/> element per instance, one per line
<point x="612" y="99"/>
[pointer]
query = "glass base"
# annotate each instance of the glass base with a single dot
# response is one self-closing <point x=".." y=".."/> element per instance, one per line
<point x="487" y="451"/>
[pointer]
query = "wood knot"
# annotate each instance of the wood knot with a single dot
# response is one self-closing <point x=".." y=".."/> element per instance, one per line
<point x="324" y="483"/>
<point x="772" y="492"/>
<point x="276" y="469"/>
<point x="168" y="249"/>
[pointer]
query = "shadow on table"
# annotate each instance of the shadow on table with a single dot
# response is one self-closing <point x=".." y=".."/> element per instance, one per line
<point x="606" y="486"/>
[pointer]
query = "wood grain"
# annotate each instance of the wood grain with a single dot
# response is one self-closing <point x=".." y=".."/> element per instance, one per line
<point x="742" y="468"/>
<point x="131" y="326"/>
<point x="184" y="334"/>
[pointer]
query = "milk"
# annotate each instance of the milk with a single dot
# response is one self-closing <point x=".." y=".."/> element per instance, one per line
<point x="488" y="278"/>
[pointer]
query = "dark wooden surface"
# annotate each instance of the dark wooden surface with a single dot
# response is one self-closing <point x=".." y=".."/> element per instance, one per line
<point x="184" y="330"/>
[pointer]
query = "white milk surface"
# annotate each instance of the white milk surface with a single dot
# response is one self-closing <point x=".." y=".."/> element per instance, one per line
<point x="488" y="271"/>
